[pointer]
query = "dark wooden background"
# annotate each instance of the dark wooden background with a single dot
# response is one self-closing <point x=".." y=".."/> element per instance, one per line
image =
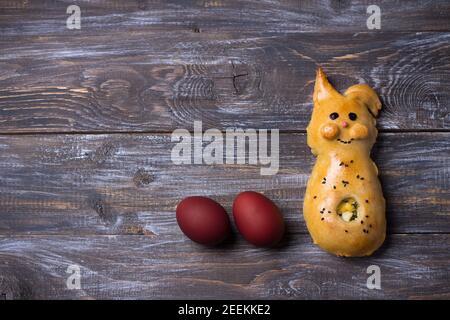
<point x="85" y="123"/>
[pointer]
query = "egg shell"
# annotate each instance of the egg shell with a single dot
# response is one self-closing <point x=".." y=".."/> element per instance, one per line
<point x="203" y="220"/>
<point x="258" y="219"/>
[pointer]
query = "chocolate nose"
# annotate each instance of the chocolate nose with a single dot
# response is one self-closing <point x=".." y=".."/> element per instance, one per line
<point x="344" y="124"/>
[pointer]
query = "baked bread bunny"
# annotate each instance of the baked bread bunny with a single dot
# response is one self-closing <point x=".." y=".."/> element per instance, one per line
<point x="344" y="208"/>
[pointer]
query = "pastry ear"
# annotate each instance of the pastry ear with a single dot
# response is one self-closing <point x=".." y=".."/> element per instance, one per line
<point x="366" y="95"/>
<point x="323" y="90"/>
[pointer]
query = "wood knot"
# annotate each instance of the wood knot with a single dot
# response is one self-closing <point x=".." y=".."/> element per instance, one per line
<point x="101" y="154"/>
<point x="196" y="87"/>
<point x="137" y="230"/>
<point x="103" y="210"/>
<point x="142" y="178"/>
<point x="118" y="91"/>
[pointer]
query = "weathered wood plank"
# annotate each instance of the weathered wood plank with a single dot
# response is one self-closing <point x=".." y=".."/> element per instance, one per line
<point x="169" y="266"/>
<point x="107" y="202"/>
<point x="127" y="184"/>
<point x="142" y="81"/>
<point x="46" y="17"/>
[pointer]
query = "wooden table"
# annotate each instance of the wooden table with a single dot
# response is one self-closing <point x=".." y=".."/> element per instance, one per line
<point x="86" y="118"/>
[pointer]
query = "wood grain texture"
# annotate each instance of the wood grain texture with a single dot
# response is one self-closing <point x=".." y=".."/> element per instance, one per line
<point x="103" y="196"/>
<point x="127" y="183"/>
<point x="169" y="266"/>
<point x="107" y="77"/>
<point x="151" y="80"/>
<point x="44" y="17"/>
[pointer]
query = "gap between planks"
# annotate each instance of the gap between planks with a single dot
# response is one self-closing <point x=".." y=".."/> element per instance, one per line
<point x="6" y="235"/>
<point x="31" y="133"/>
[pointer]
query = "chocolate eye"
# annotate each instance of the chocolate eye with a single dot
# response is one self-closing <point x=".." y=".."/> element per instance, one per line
<point x="352" y="116"/>
<point x="334" y="116"/>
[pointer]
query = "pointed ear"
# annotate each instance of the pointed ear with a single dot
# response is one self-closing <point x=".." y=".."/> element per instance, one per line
<point x="323" y="90"/>
<point x="366" y="95"/>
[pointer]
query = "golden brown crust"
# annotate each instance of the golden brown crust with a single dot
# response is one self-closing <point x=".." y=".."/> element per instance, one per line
<point x="344" y="177"/>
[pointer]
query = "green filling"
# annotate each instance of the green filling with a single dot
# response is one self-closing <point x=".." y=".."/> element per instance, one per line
<point x="348" y="209"/>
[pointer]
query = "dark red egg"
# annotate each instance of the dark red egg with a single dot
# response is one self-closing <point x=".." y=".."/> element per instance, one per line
<point x="203" y="220"/>
<point x="258" y="219"/>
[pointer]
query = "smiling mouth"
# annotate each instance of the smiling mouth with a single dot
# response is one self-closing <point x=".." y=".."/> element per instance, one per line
<point x="345" y="141"/>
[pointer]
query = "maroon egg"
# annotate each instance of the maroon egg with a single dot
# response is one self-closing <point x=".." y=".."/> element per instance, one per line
<point x="203" y="220"/>
<point x="258" y="219"/>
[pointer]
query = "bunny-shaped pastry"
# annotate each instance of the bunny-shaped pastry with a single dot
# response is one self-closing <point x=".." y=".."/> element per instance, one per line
<point x="344" y="208"/>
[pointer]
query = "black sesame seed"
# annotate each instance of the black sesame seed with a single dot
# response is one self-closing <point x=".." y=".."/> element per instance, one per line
<point x="340" y="164"/>
<point x="357" y="176"/>
<point x="334" y="187"/>
<point x="362" y="178"/>
<point x="329" y="211"/>
<point x="367" y="216"/>
<point x="362" y="222"/>
<point x="322" y="219"/>
<point x="323" y="182"/>
<point x="370" y="226"/>
<point x="346" y="231"/>
<point x="351" y="161"/>
<point x="367" y="201"/>
<point x="346" y="165"/>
